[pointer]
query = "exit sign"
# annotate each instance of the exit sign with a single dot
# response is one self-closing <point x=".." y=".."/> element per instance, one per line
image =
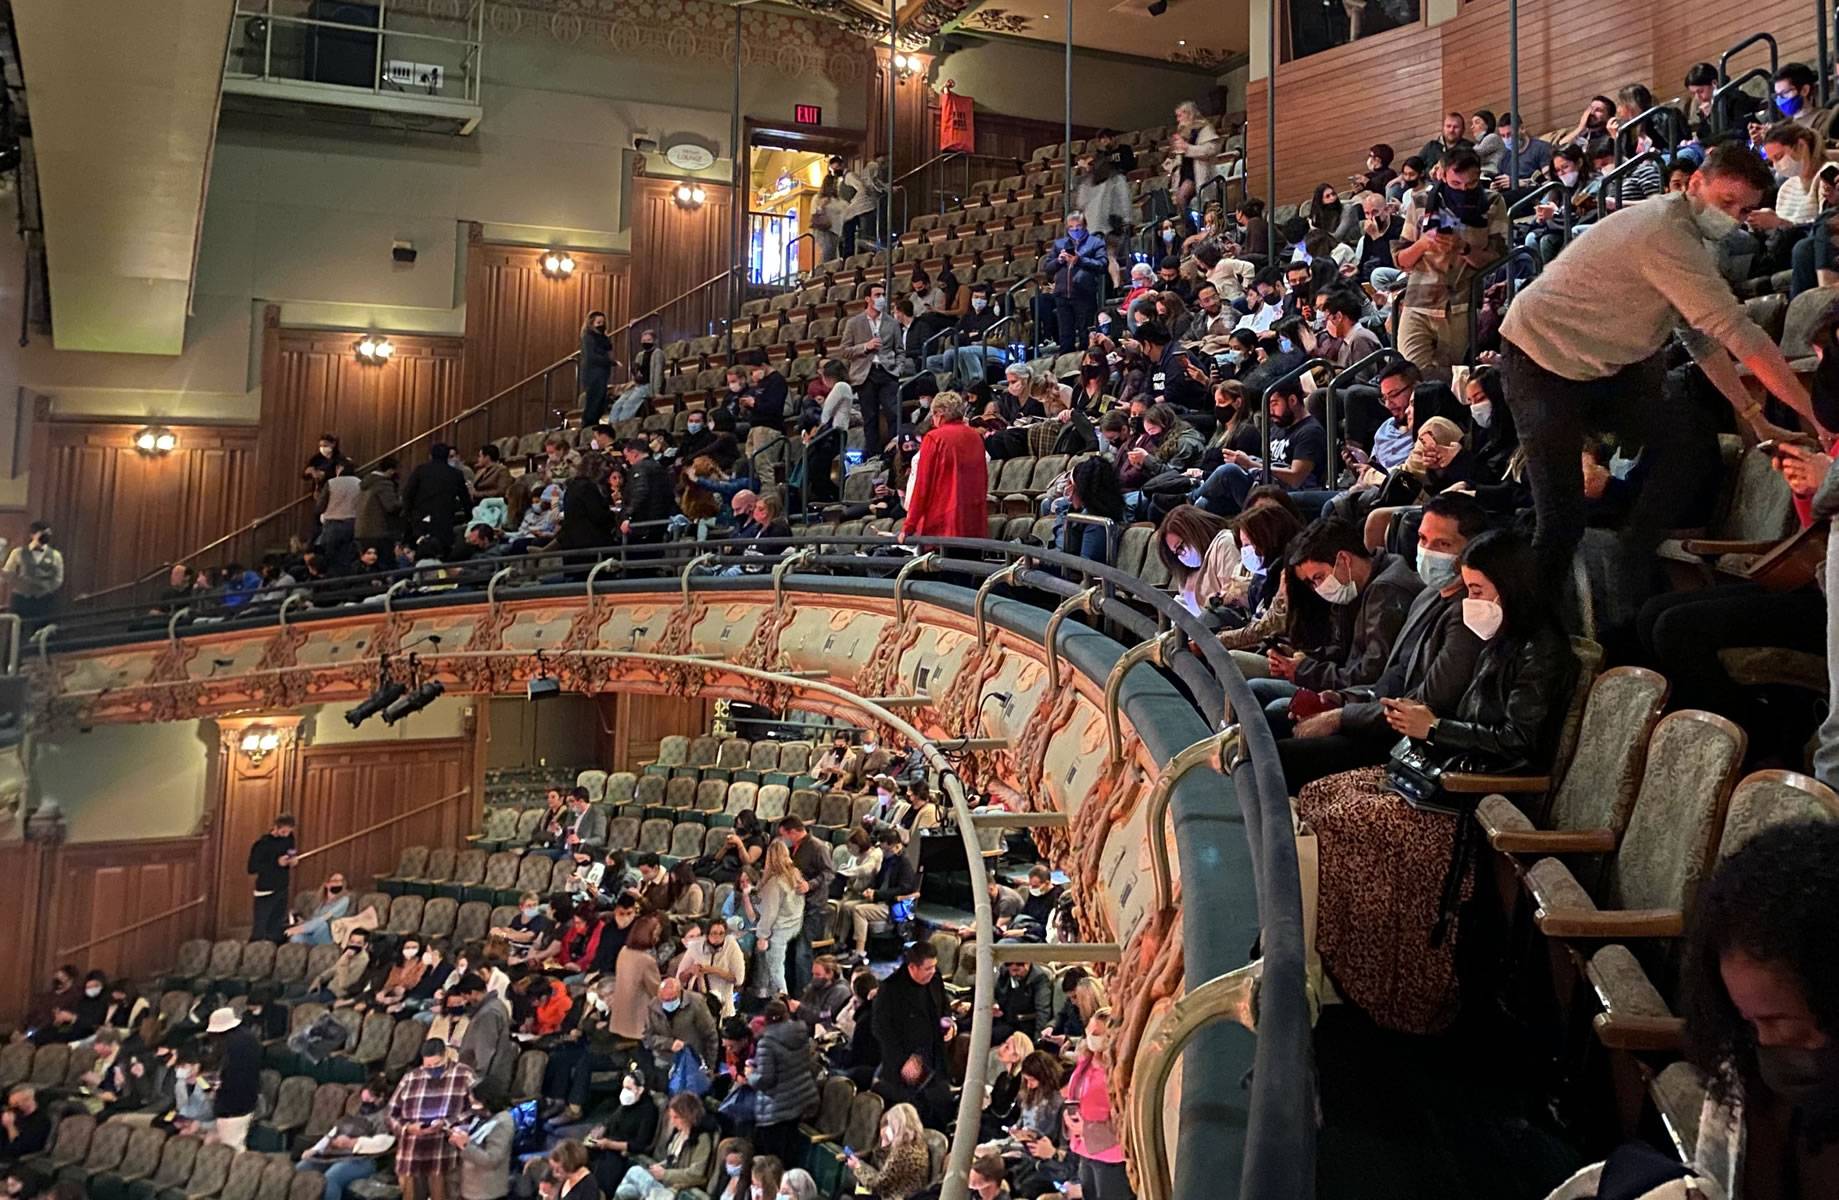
<point x="807" y="114"/>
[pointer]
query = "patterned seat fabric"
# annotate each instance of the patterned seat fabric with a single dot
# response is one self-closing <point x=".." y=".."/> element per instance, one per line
<point x="680" y="792"/>
<point x="654" y="836"/>
<point x="413" y="862"/>
<point x="764" y="756"/>
<point x="686" y="840"/>
<point x="290" y="963"/>
<point x="405" y="914"/>
<point x="177" y="1158"/>
<point x="469" y="867"/>
<point x="595" y="782"/>
<point x="674" y="751"/>
<point x="650" y="790"/>
<point x="734" y="753"/>
<point x="711" y="795"/>
<point x="258" y="960"/>
<point x="621" y="787"/>
<point x="705" y="751"/>
<point x="472" y="921"/>
<point x="741" y="797"/>
<point x="440" y="865"/>
<point x="772" y="801"/>
<point x="623" y="833"/>
<point x="501" y="870"/>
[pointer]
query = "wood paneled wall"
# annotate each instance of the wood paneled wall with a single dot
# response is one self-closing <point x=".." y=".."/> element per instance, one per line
<point x="344" y="789"/>
<point x="117" y="512"/>
<point x="1008" y="138"/>
<point x="640" y="722"/>
<point x="676" y="248"/>
<point x="313" y="383"/>
<point x="519" y="320"/>
<point x="98" y="888"/>
<point x="1394" y="87"/>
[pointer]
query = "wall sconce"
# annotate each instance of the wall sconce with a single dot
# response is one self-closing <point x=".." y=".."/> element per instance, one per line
<point x="558" y="264"/>
<point x="906" y="66"/>
<point x="375" y="351"/>
<point x="690" y="195"/>
<point x="259" y="741"/>
<point x="156" y="439"/>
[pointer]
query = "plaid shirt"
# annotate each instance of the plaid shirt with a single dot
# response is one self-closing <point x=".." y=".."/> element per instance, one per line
<point x="438" y="1096"/>
<point x="1440" y="282"/>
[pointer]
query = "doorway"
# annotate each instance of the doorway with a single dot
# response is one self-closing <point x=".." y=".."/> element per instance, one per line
<point x="792" y="217"/>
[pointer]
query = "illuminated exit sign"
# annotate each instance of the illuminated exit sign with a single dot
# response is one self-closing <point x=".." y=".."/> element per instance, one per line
<point x="807" y="114"/>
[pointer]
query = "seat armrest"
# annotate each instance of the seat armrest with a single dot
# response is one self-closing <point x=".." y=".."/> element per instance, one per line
<point x="1599" y="925"/>
<point x="1639" y="1033"/>
<point x="1554" y="841"/>
<point x="1468" y="783"/>
<point x="1713" y="547"/>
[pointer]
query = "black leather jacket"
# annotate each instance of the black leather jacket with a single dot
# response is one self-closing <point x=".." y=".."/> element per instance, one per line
<point x="1507" y="720"/>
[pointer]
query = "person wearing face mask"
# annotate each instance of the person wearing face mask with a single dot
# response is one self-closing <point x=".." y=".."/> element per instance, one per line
<point x="1393" y="874"/>
<point x="487" y="1043"/>
<point x="645" y="381"/>
<point x="1368" y="594"/>
<point x="677" y="1021"/>
<point x="1076" y="267"/>
<point x="1757" y="995"/>
<point x="334" y="903"/>
<point x="343" y="978"/>
<point x="824" y="998"/>
<point x="1431" y="660"/>
<point x="405" y="974"/>
<point x="25" y="1128"/>
<point x="595" y="371"/>
<point x="631" y="1128"/>
<point x="530" y="929"/>
<point x="349" y="1150"/>
<point x="1584" y="348"/>
<point x="1299" y="454"/>
<point x="872" y="343"/>
<point x="1458" y="228"/>
<point x="782" y="1079"/>
<point x="1200" y="551"/>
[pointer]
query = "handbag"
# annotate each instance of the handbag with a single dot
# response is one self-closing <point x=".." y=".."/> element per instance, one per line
<point x="687" y="1074"/>
<point x="1415" y="773"/>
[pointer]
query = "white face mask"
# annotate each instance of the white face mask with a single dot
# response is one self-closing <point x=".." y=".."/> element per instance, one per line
<point x="1248" y="554"/>
<point x="1568" y="178"/>
<point x="979" y="303"/>
<point x="1483" y="412"/>
<point x="93" y="990"/>
<point x="877" y="302"/>
<point x="1189" y="557"/>
<point x="1483" y="617"/>
<point x="1714" y="223"/>
<point x="628" y="1096"/>
<point x="1336" y="591"/>
<point x="1095" y="1042"/>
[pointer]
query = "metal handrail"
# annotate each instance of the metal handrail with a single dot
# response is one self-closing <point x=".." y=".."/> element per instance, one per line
<point x="291" y="505"/>
<point x="70" y="952"/>
<point x="1331" y="423"/>
<point x="1718" y="108"/>
<point x="1618" y="174"/>
<point x="1530" y="200"/>
<point x="1675" y="120"/>
<point x="1278" y="1162"/>
<point x="684" y="295"/>
<point x="790" y="272"/>
<point x="1264" y="409"/>
<point x="1477" y="285"/>
<point x="1745" y="44"/>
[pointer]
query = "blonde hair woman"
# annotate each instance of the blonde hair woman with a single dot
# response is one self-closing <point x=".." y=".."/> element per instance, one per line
<point x="905" y="1164"/>
<point x="782" y="913"/>
<point x="1091" y="1132"/>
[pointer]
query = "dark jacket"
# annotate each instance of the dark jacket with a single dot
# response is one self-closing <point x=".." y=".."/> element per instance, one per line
<point x="379" y="507"/>
<point x="769" y="401"/>
<point x="784" y="1073"/>
<point x="1169" y="380"/>
<point x="596" y="359"/>
<point x="906" y="1017"/>
<point x="1370" y="630"/>
<point x="1027" y="1003"/>
<point x="648" y="494"/>
<point x="1508" y="716"/>
<point x="1432" y="661"/>
<point x="239" y="1083"/>
<point x="1082" y="277"/>
<point x="265" y="861"/>
<point x="821" y="1006"/>
<point x="692" y="1024"/>
<point x="895" y="879"/>
<point x="434" y="500"/>
<point x="587" y="521"/>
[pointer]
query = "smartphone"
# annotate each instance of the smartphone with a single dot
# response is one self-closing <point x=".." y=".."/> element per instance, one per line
<point x="849" y="1151"/>
<point x="1358" y="455"/>
<point x="1773" y="445"/>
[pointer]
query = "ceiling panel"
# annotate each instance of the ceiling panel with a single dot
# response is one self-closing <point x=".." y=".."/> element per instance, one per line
<point x="1203" y="33"/>
<point x="124" y="108"/>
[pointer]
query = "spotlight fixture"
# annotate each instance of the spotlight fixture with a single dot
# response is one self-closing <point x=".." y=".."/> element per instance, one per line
<point x="543" y="685"/>
<point x="558" y="264"/>
<point x="387" y="693"/>
<point x="690" y="195"/>
<point x="156" y="439"/>
<point x="375" y="350"/>
<point x="414" y="702"/>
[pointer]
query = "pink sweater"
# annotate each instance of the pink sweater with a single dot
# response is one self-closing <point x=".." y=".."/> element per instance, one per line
<point x="1088" y="1090"/>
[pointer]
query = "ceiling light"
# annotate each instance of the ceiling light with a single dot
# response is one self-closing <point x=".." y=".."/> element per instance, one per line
<point x="375" y="350"/>
<point x="1181" y="41"/>
<point x="156" y="439"/>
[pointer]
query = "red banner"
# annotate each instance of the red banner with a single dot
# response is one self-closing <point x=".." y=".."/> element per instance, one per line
<point x="955" y="128"/>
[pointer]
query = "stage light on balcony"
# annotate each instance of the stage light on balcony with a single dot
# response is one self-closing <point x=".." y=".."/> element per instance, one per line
<point x="375" y="350"/>
<point x="690" y="195"/>
<point x="156" y="439"/>
<point x="387" y="693"/>
<point x="414" y="702"/>
<point x="558" y="264"/>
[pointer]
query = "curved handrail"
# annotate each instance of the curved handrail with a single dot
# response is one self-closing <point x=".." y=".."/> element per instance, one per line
<point x="1745" y="44"/>
<point x="789" y="271"/>
<point x="1477" y="285"/>
<point x="1530" y="200"/>
<point x="70" y="952"/>
<point x="684" y="295"/>
<point x="1718" y="108"/>
<point x="291" y="505"/>
<point x="1278" y="1160"/>
<point x="1674" y="119"/>
<point x="1264" y="409"/>
<point x="1331" y="423"/>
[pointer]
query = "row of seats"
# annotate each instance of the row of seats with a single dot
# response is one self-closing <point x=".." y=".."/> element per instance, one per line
<point x="113" y="1161"/>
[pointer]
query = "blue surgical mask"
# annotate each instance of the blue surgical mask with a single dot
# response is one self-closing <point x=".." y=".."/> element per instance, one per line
<point x="1248" y="554"/>
<point x="733" y="1170"/>
<point x="1788" y="105"/>
<point x="1436" y="569"/>
<point x="1234" y="357"/>
<point x="670" y="1006"/>
<point x="529" y="911"/>
<point x="1285" y="345"/>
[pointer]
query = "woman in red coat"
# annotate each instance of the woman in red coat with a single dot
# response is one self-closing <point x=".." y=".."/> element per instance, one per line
<point x="951" y="478"/>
